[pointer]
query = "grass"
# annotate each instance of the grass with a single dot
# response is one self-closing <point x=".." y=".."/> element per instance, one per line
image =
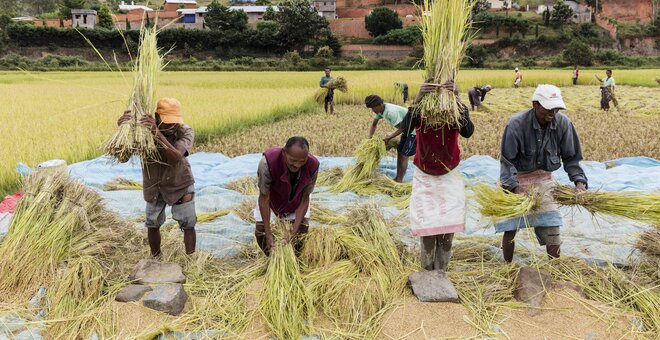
<point x="73" y="112"/>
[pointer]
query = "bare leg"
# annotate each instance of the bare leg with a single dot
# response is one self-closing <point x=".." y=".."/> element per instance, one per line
<point x="443" y="251"/>
<point x="332" y="107"/>
<point x="401" y="166"/>
<point x="189" y="240"/>
<point x="508" y="245"/>
<point x="326" y="107"/>
<point x="153" y="235"/>
<point x="553" y="251"/>
<point x="427" y="251"/>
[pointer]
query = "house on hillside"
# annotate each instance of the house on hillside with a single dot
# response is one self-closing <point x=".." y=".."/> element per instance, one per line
<point x="326" y="8"/>
<point x="83" y="18"/>
<point x="174" y="5"/>
<point x="133" y="8"/>
<point x="254" y="14"/>
<point x="499" y="4"/>
<point x="581" y="13"/>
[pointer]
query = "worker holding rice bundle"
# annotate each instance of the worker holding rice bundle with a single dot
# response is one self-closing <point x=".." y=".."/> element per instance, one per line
<point x="535" y="143"/>
<point x="286" y="179"/>
<point x="329" y="102"/>
<point x="607" y="91"/>
<point x="477" y="95"/>
<point x="394" y="115"/>
<point x="169" y="181"/>
<point x="437" y="202"/>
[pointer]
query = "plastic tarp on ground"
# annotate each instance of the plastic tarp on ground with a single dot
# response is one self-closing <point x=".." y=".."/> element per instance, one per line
<point x="608" y="239"/>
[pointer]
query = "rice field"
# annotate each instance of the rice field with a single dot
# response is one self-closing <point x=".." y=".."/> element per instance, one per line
<point x="69" y="115"/>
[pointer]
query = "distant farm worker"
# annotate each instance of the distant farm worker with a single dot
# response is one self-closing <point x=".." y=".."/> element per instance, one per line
<point x="477" y="95"/>
<point x="404" y="90"/>
<point x="607" y="91"/>
<point x="576" y="74"/>
<point x="330" y="97"/>
<point x="286" y="179"/>
<point x="393" y="114"/>
<point x="437" y="202"/>
<point x="518" y="80"/>
<point x="535" y="143"/>
<point x="169" y="181"/>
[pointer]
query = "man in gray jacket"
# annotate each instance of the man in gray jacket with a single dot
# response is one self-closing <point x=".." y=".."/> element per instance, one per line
<point x="535" y="143"/>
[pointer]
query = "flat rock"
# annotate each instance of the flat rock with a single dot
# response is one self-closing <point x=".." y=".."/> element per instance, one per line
<point x="132" y="293"/>
<point x="433" y="286"/>
<point x="531" y="285"/>
<point x="169" y="298"/>
<point x="149" y="271"/>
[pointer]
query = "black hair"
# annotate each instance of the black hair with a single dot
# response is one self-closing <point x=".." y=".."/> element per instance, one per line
<point x="372" y="101"/>
<point x="297" y="140"/>
<point x="327" y="68"/>
<point x="610" y="71"/>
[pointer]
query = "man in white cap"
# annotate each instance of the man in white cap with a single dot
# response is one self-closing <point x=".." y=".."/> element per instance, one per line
<point x="535" y="143"/>
<point x="518" y="80"/>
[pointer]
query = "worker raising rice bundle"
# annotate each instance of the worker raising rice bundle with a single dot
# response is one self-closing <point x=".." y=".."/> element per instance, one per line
<point x="445" y="25"/>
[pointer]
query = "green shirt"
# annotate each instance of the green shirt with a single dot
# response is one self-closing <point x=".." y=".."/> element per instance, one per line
<point x="393" y="114"/>
<point x="608" y="82"/>
<point x="325" y="80"/>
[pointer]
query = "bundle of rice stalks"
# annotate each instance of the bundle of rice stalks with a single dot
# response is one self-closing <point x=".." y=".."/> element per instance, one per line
<point x="367" y="158"/>
<point x="446" y="33"/>
<point x="120" y="183"/>
<point x="499" y="204"/>
<point x="633" y="205"/>
<point x="381" y="184"/>
<point x="329" y="177"/>
<point x="326" y="216"/>
<point x="649" y="242"/>
<point x="285" y="303"/>
<point x="245" y="210"/>
<point x="210" y="216"/>
<point x="321" y="247"/>
<point x="62" y="237"/>
<point x="338" y="83"/>
<point x="245" y="185"/>
<point x="611" y="286"/>
<point x="133" y="138"/>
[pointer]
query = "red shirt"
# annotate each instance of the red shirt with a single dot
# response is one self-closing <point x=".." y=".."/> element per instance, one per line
<point x="437" y="150"/>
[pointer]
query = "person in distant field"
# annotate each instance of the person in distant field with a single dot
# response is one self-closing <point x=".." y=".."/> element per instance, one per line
<point x="576" y="74"/>
<point x="393" y="114"/>
<point x="518" y="80"/>
<point x="330" y="97"/>
<point x="170" y="181"/>
<point x="286" y="178"/>
<point x="535" y="143"/>
<point x="477" y="95"/>
<point x="607" y="91"/>
<point x="437" y="201"/>
<point x="404" y="90"/>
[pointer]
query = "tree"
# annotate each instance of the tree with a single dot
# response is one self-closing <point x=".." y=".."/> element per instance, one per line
<point x="38" y="7"/>
<point x="578" y="53"/>
<point x="561" y="13"/>
<point x="10" y="7"/>
<point x="381" y="20"/>
<point x="105" y="18"/>
<point x="300" y="24"/>
<point x="263" y="3"/>
<point x="270" y="14"/>
<point x="479" y="6"/>
<point x="128" y="24"/>
<point x="546" y="17"/>
<point x="67" y="5"/>
<point x="221" y="18"/>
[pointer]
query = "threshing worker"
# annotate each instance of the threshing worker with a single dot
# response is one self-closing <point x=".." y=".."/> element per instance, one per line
<point x="518" y="80"/>
<point x="576" y="74"/>
<point x="607" y="91"/>
<point x="393" y="114"/>
<point x="330" y="97"/>
<point x="535" y="143"/>
<point x="404" y="90"/>
<point x="169" y="181"/>
<point x="437" y="202"/>
<point x="286" y="179"/>
<point x="477" y="95"/>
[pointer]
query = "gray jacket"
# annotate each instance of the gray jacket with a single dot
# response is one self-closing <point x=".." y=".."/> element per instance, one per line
<point x="524" y="149"/>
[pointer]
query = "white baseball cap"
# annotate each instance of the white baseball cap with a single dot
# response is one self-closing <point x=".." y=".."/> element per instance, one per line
<point x="549" y="96"/>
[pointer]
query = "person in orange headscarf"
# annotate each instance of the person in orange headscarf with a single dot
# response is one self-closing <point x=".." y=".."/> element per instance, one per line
<point x="169" y="181"/>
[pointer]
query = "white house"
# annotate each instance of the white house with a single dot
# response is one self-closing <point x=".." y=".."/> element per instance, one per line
<point x="133" y="7"/>
<point x="83" y="18"/>
<point x="499" y="4"/>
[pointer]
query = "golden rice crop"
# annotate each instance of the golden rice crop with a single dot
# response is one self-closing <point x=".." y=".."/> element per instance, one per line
<point x="245" y="210"/>
<point x="499" y="204"/>
<point x="338" y="84"/>
<point x="245" y="185"/>
<point x="446" y="35"/>
<point x="329" y="177"/>
<point x="367" y="159"/>
<point x="211" y="215"/>
<point x="633" y="205"/>
<point x="321" y="247"/>
<point x="132" y="137"/>
<point x="120" y="183"/>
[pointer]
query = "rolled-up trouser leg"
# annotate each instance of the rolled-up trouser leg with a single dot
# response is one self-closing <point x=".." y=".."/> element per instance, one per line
<point x="443" y="251"/>
<point x="550" y="238"/>
<point x="427" y="251"/>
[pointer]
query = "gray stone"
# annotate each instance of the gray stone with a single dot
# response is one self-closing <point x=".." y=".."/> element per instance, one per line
<point x="570" y="285"/>
<point x="167" y="298"/>
<point x="531" y="285"/>
<point x="433" y="286"/>
<point x="149" y="271"/>
<point x="132" y="293"/>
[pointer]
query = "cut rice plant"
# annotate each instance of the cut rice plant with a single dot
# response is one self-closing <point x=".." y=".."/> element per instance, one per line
<point x="338" y="84"/>
<point x="132" y="137"/>
<point x="321" y="247"/>
<point x="326" y="216"/>
<point x="210" y="216"/>
<point x="120" y="183"/>
<point x="329" y="177"/>
<point x="286" y="304"/>
<point x="633" y="205"/>
<point x="649" y="242"/>
<point x="367" y="158"/>
<point x="499" y="204"/>
<point x="245" y="185"/>
<point x="245" y="211"/>
<point x="446" y="34"/>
